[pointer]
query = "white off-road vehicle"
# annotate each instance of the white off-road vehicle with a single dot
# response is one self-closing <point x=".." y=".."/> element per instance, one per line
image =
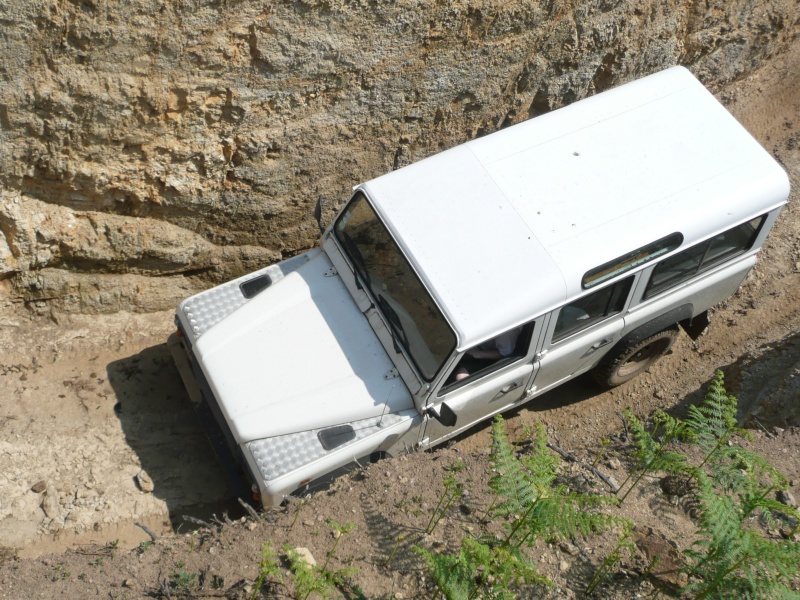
<point x="472" y="281"/>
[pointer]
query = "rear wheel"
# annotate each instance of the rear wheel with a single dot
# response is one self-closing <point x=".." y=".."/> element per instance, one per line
<point x="630" y="360"/>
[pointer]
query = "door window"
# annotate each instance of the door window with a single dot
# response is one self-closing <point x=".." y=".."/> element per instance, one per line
<point x="592" y="308"/>
<point x="489" y="356"/>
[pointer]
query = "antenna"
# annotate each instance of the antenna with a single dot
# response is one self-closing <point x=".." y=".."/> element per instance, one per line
<point x="386" y="405"/>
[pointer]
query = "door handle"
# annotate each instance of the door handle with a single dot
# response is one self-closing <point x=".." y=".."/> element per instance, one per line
<point x="601" y="343"/>
<point x="509" y="387"/>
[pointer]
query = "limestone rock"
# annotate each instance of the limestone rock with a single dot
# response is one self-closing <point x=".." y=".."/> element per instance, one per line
<point x="144" y="482"/>
<point x="207" y="156"/>
<point x="786" y="497"/>
<point x="305" y="554"/>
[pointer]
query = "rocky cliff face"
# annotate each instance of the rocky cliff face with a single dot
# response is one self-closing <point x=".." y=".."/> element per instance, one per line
<point x="150" y="148"/>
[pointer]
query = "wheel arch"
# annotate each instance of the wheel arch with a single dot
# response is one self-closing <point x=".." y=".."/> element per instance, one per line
<point x="668" y="320"/>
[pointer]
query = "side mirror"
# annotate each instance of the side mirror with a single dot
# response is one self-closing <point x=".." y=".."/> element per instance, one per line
<point x="444" y="414"/>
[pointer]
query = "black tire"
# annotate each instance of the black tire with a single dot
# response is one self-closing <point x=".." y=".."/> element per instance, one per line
<point x="629" y="360"/>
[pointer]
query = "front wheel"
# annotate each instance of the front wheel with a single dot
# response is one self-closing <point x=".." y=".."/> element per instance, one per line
<point x="629" y="360"/>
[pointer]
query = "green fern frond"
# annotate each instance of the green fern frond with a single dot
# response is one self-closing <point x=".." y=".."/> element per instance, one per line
<point x="497" y="568"/>
<point x="512" y="482"/>
<point x="526" y="490"/>
<point x="453" y="578"/>
<point x="717" y="411"/>
<point x="307" y="578"/>
<point x="651" y="451"/>
<point x="649" y="448"/>
<point x="565" y="517"/>
<point x="643" y="443"/>
<point x="540" y="462"/>
<point x="731" y="561"/>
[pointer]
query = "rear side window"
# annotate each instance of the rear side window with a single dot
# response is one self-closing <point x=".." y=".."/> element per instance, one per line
<point x="685" y="265"/>
<point x="591" y="309"/>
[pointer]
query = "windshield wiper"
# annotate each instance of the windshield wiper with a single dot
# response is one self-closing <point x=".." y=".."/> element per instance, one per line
<point x="395" y="326"/>
<point x="359" y="265"/>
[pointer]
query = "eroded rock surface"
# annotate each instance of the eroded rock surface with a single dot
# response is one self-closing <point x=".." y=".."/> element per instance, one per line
<point x="195" y="139"/>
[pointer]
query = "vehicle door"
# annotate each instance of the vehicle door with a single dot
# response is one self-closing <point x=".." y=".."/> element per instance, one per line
<point x="581" y="332"/>
<point x="478" y="386"/>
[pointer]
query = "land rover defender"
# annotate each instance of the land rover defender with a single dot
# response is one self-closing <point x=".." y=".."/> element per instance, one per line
<point x="472" y="281"/>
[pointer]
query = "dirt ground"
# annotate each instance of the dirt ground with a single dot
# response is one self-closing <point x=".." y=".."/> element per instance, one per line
<point x="100" y="451"/>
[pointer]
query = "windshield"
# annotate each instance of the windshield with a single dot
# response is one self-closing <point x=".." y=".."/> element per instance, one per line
<point x="415" y="321"/>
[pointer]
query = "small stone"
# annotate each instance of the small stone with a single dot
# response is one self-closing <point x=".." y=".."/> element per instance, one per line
<point x="568" y="548"/>
<point x="563" y="566"/>
<point x="465" y="509"/>
<point x="305" y="554"/>
<point x="50" y="505"/>
<point x="128" y="583"/>
<point x="786" y="497"/>
<point x="613" y="463"/>
<point x="212" y="550"/>
<point x="144" y="482"/>
<point x="251" y="525"/>
<point x="39" y="486"/>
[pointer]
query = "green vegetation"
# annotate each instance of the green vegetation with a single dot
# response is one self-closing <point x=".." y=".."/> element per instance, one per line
<point x="269" y="570"/>
<point x="532" y="506"/>
<point x="452" y="491"/>
<point x="310" y="579"/>
<point x="731" y="487"/>
<point x="183" y="581"/>
<point x="744" y="544"/>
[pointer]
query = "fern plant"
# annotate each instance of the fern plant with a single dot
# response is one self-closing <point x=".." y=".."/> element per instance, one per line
<point x="732" y="560"/>
<point x="651" y="449"/>
<point x="480" y="570"/>
<point x="733" y="485"/>
<point x="534" y="505"/>
<point x="712" y="425"/>
<point x="526" y="487"/>
<point x="624" y="544"/>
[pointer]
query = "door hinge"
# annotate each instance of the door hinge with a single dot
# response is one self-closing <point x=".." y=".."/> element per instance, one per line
<point x="330" y="273"/>
<point x="391" y="374"/>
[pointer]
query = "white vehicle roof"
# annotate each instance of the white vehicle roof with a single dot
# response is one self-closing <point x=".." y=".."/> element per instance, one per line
<point x="503" y="228"/>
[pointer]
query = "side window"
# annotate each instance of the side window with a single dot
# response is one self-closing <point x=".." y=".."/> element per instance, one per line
<point x="489" y="356"/>
<point x="685" y="265"/>
<point x="591" y="309"/>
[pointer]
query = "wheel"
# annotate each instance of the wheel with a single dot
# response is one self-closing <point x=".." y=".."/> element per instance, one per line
<point x="627" y="361"/>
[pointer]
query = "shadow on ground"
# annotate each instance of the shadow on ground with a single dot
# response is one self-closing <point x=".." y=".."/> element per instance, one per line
<point x="161" y="427"/>
<point x="766" y="383"/>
